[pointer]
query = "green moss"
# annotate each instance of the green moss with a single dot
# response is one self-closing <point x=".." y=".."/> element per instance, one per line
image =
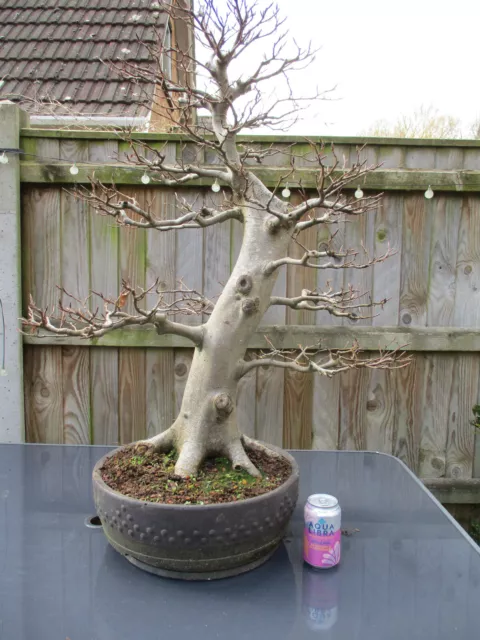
<point x="381" y="235"/>
<point x="152" y="477"/>
<point x="475" y="531"/>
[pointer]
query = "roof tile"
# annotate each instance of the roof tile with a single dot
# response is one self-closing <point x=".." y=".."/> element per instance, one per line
<point x="59" y="49"/>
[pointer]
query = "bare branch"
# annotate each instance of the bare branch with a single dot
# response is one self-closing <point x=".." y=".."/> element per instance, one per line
<point x="348" y="258"/>
<point x="315" y="359"/>
<point x="343" y="303"/>
<point x="80" y="321"/>
<point x="110" y="201"/>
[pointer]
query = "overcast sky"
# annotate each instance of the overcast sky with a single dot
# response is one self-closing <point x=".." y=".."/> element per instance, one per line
<point x="387" y="59"/>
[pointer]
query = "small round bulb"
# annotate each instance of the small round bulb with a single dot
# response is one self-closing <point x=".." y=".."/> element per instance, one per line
<point x="358" y="193"/>
<point x="286" y="193"/>
<point x="145" y="178"/>
<point x="429" y="193"/>
<point x="3" y="372"/>
<point x="3" y="158"/>
<point x="215" y="187"/>
<point x="74" y="169"/>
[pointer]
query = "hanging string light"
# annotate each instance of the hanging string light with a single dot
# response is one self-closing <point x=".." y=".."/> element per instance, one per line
<point x="286" y="193"/>
<point x="358" y="193"/>
<point x="74" y="170"/>
<point x="429" y="193"/>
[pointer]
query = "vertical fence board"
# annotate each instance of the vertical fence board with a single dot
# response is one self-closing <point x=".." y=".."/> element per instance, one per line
<point x="417" y="216"/>
<point x="160" y="265"/>
<point x="436" y="396"/>
<point x="330" y="237"/>
<point x="47" y="150"/>
<point x="246" y="403"/>
<point x="160" y="256"/>
<point x="183" y="362"/>
<point x="353" y="409"/>
<point x="132" y="249"/>
<point x="443" y="262"/>
<point x="104" y="395"/>
<point x="75" y="268"/>
<point x="104" y="279"/>
<point x="160" y="392"/>
<point x="461" y="434"/>
<point x="359" y="231"/>
<point x="216" y="268"/>
<point x="75" y="279"/>
<point x="131" y="406"/>
<point x="467" y="298"/>
<point x="386" y="275"/>
<point x="189" y="254"/>
<point x="41" y="234"/>
<point x="76" y="395"/>
<point x="73" y="151"/>
<point x="43" y="377"/>
<point x="269" y="405"/>
<point x="297" y="410"/>
<point x="299" y="277"/>
<point x="325" y="418"/>
<point x="381" y="410"/>
<point x="409" y="406"/>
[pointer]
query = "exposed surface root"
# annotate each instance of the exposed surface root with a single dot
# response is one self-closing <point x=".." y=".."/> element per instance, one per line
<point x="162" y="442"/>
<point x="191" y="456"/>
<point x="240" y="460"/>
<point x="192" y="453"/>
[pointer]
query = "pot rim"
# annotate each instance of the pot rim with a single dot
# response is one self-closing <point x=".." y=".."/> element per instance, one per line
<point x="97" y="479"/>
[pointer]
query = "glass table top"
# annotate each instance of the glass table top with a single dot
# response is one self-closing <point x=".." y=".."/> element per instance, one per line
<point x="408" y="572"/>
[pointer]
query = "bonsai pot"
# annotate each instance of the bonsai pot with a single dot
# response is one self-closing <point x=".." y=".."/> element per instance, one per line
<point x="196" y="542"/>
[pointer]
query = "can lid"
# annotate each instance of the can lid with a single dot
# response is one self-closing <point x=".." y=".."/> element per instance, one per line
<point x="323" y="500"/>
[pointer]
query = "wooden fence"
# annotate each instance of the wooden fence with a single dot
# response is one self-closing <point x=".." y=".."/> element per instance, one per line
<point x="130" y="383"/>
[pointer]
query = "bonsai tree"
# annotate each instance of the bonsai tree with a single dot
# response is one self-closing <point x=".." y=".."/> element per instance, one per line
<point x="235" y="102"/>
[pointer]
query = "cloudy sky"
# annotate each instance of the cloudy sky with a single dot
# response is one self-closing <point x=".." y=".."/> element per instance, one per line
<point x="387" y="59"/>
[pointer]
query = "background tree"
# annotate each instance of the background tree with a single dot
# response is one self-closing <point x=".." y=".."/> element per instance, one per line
<point x="425" y="122"/>
<point x="235" y="100"/>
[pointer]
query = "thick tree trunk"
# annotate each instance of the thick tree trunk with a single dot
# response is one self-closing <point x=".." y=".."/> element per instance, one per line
<point x="207" y="423"/>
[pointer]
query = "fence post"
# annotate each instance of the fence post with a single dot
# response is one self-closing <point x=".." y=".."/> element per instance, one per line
<point x="12" y="429"/>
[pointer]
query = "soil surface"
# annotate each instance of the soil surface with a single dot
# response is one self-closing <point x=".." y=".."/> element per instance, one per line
<point x="151" y="477"/>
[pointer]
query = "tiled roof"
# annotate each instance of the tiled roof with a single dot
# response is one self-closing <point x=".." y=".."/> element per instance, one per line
<point x="53" y="50"/>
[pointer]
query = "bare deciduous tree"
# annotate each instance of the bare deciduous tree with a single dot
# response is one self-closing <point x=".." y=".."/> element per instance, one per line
<point x="425" y="122"/>
<point x="206" y="424"/>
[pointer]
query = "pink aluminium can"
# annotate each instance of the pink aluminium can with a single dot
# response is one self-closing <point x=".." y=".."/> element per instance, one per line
<point x="322" y="532"/>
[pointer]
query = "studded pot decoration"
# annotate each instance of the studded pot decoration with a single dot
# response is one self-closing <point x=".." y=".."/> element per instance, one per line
<point x="197" y="542"/>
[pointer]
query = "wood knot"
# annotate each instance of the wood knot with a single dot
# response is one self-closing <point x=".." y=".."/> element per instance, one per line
<point x="223" y="404"/>
<point x="250" y="305"/>
<point x="244" y="284"/>
<point x="181" y="369"/>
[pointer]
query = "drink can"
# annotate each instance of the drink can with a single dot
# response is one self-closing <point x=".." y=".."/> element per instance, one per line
<point x="322" y="531"/>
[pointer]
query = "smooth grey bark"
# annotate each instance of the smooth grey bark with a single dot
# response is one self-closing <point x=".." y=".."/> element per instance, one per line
<point x="207" y="422"/>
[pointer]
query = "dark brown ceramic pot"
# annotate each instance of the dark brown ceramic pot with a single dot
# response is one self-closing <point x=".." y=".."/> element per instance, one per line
<point x="197" y="542"/>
